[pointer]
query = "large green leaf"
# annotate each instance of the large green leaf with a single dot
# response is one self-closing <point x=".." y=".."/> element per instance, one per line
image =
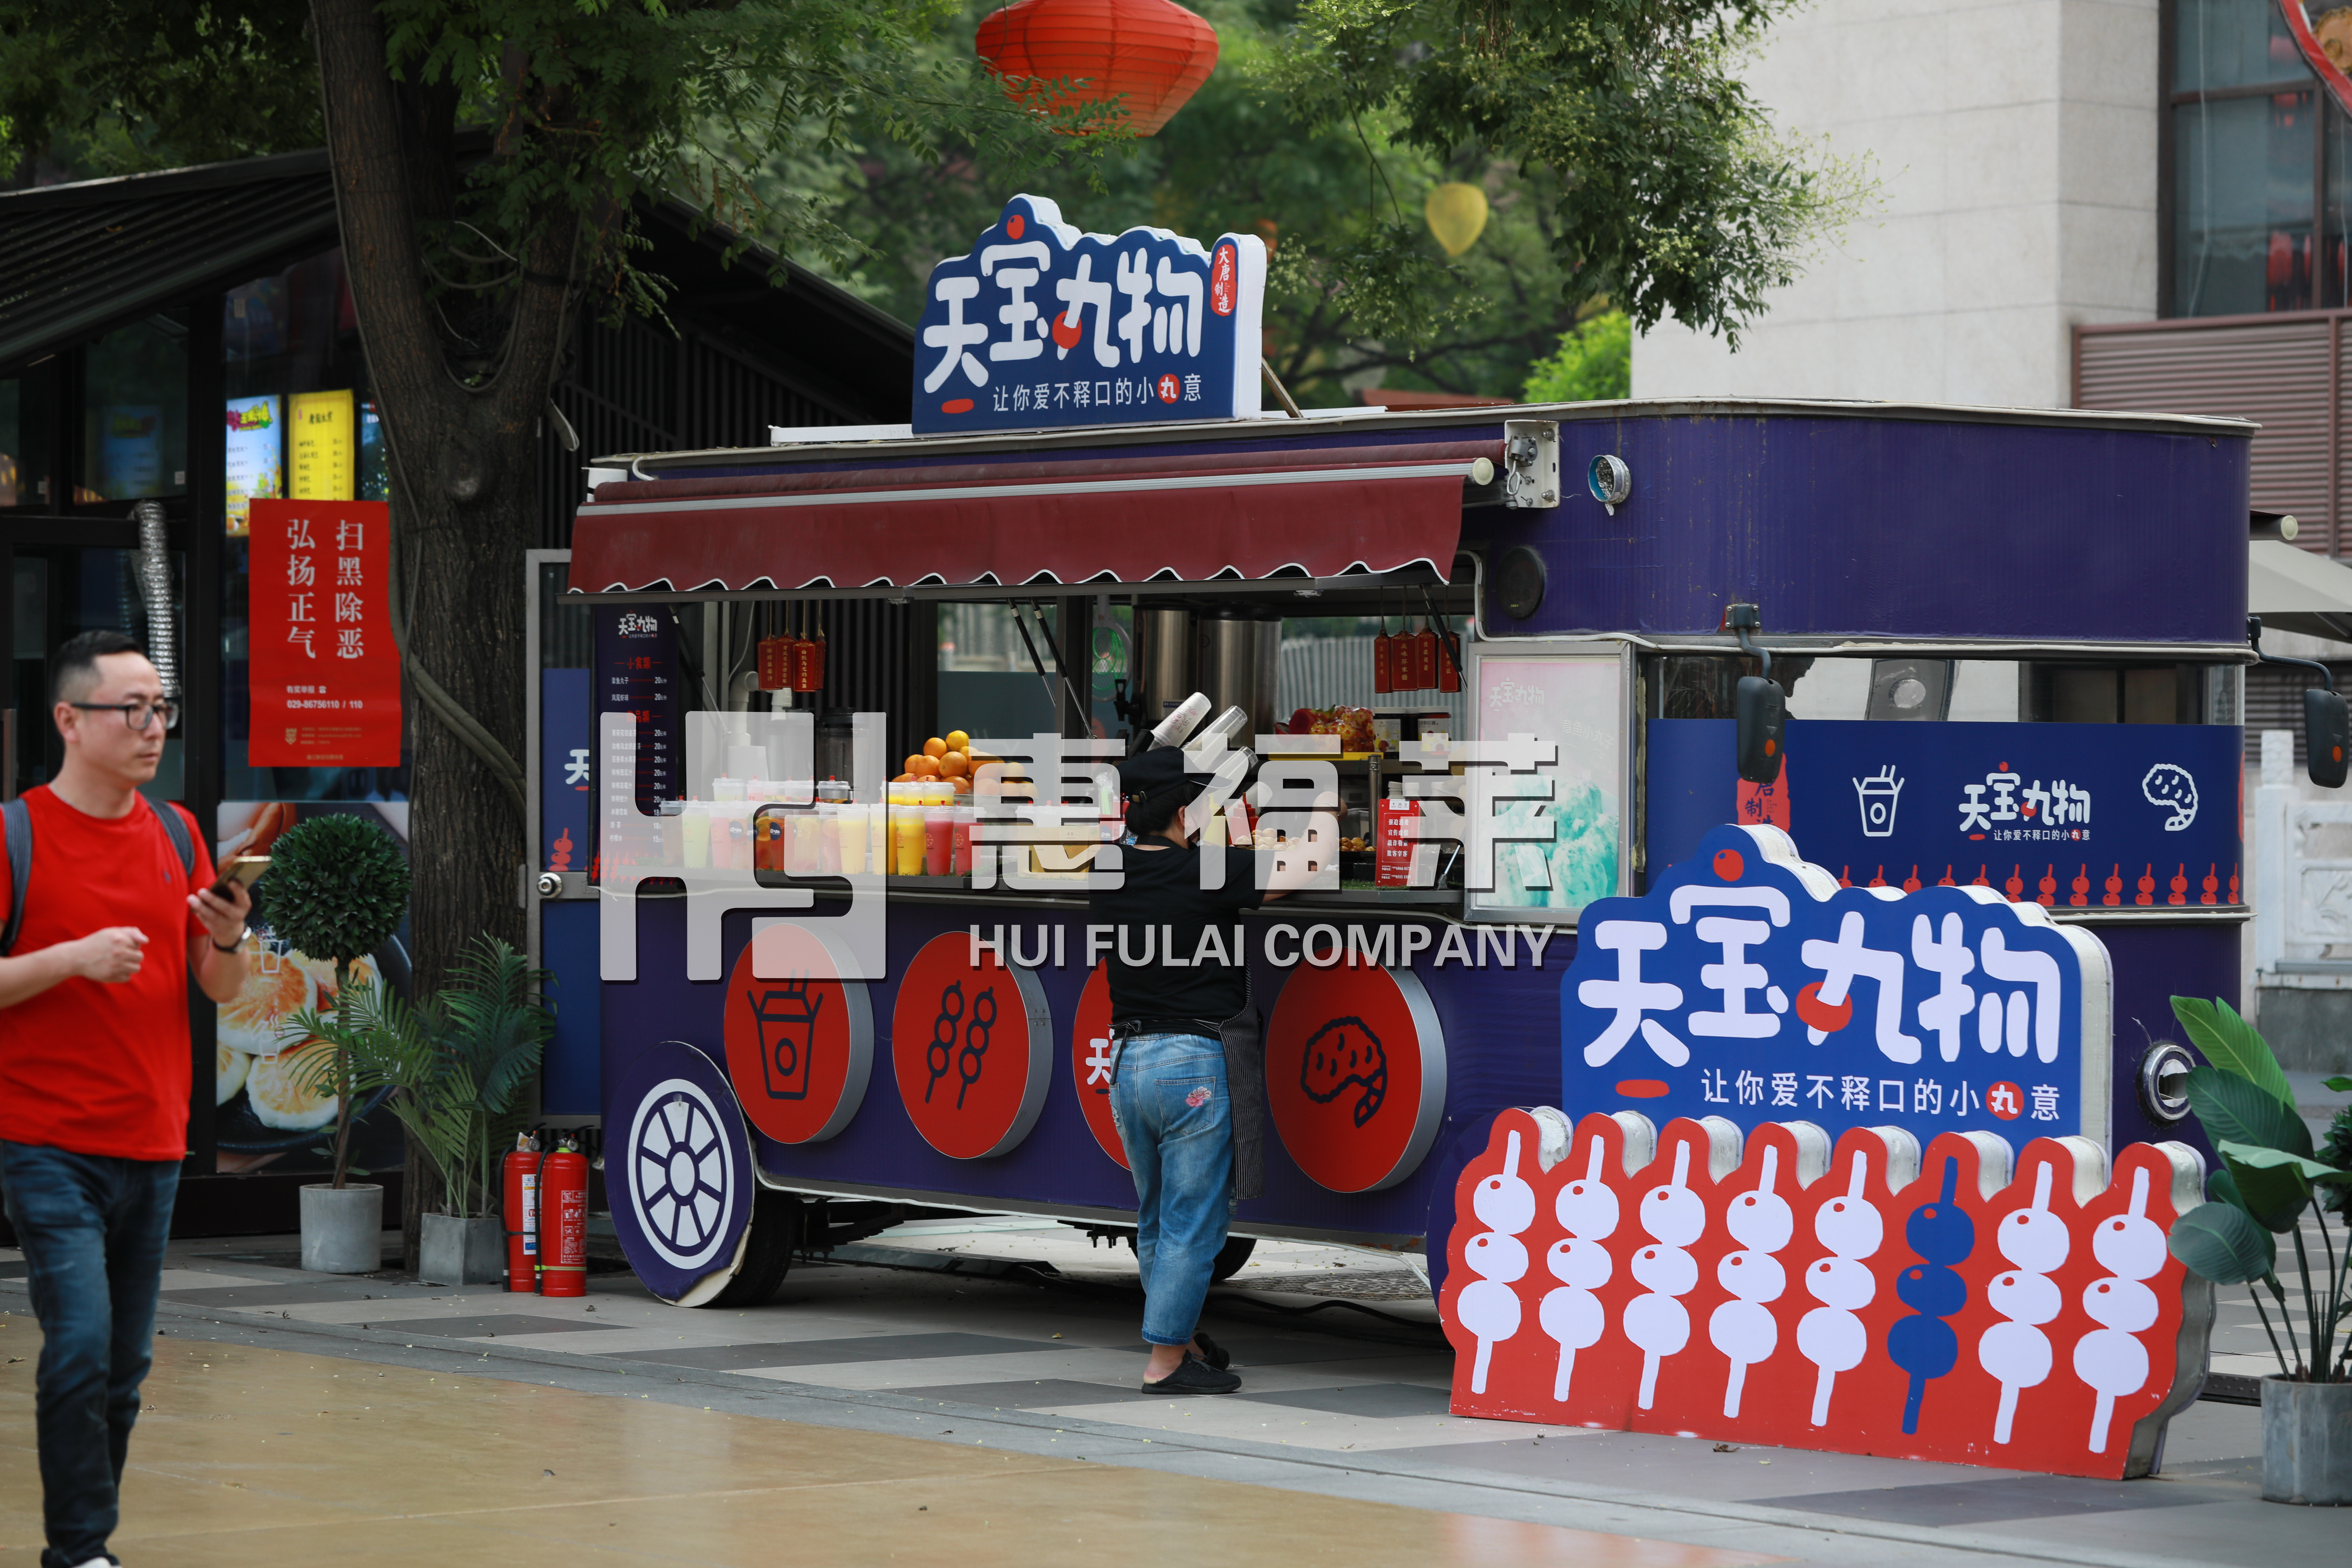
<point x="2266" y="1158"/>
<point x="2232" y="1043"/>
<point x="2238" y="1112"/>
<point x="2222" y="1245"/>
<point x="2274" y="1196"/>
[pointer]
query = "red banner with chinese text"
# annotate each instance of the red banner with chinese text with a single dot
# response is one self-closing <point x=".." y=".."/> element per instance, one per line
<point x="324" y="675"/>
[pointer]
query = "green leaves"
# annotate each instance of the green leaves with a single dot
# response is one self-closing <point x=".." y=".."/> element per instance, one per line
<point x="2228" y="1042"/>
<point x="337" y="888"/>
<point x="2237" y="1111"/>
<point x="2218" y="1242"/>
<point x="2279" y="1159"/>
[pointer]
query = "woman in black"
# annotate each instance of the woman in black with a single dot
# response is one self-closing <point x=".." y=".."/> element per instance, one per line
<point x="1188" y="1089"/>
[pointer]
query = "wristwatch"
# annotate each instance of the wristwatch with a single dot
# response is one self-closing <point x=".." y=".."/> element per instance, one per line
<point x="231" y="947"/>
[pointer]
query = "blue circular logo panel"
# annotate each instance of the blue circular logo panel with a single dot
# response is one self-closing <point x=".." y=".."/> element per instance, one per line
<point x="678" y="1169"/>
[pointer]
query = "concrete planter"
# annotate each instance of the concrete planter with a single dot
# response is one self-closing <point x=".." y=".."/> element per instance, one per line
<point x="454" y="1251"/>
<point x="2306" y="1442"/>
<point x="342" y="1232"/>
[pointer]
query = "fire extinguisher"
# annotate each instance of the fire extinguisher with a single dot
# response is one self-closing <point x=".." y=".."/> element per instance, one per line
<point x="563" y="1223"/>
<point x="520" y="1207"/>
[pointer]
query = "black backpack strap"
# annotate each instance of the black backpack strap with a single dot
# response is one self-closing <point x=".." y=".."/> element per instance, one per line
<point x="17" y="821"/>
<point x="176" y="831"/>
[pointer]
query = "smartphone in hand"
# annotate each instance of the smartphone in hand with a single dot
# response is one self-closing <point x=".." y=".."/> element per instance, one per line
<point x="240" y="872"/>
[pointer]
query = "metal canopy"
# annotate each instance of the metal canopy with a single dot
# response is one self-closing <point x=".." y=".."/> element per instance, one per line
<point x="2296" y="591"/>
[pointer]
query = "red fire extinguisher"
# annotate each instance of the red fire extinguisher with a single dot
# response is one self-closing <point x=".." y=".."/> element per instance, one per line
<point x="520" y="1207"/>
<point x="563" y="1223"/>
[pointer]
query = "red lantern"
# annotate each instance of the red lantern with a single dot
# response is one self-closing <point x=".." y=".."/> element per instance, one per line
<point x="1154" y="52"/>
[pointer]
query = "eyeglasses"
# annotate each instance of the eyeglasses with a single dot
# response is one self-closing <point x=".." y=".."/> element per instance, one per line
<point x="136" y="713"/>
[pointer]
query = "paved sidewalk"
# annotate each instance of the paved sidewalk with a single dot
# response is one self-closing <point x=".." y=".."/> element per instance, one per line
<point x="954" y="1334"/>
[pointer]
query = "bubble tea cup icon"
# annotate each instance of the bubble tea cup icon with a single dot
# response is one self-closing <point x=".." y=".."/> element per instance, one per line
<point x="1877" y="795"/>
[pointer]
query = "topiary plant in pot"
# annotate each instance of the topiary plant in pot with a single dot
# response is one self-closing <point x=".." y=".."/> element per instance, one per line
<point x="2270" y="1174"/>
<point x="337" y="889"/>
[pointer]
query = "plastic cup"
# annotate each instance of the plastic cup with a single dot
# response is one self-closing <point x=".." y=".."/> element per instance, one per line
<point x="828" y="838"/>
<point x="939" y="837"/>
<point x="695" y="829"/>
<point x="727" y="789"/>
<point x="960" y="841"/>
<point x="907" y="840"/>
<point x="849" y="826"/>
<point x="802" y="855"/>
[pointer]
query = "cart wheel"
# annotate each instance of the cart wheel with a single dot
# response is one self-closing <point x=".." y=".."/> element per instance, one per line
<point x="678" y="1170"/>
<point x="774" y="1237"/>
<point x="1231" y="1256"/>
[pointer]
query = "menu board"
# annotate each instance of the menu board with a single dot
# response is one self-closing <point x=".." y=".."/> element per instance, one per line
<point x="325" y="674"/>
<point x="320" y="430"/>
<point x="252" y="461"/>
<point x="1564" y="830"/>
<point x="636" y="673"/>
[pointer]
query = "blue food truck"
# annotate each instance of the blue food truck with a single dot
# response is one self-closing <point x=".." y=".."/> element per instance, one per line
<point x="839" y="974"/>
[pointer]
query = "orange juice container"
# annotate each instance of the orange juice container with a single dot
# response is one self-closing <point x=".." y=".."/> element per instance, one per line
<point x="694" y="829"/>
<point x="828" y="839"/>
<point x="907" y="840"/>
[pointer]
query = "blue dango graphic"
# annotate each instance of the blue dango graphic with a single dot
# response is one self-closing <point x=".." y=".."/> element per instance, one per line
<point x="1923" y="1345"/>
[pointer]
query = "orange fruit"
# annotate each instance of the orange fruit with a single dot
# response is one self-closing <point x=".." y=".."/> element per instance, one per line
<point x="904" y="778"/>
<point x="959" y="741"/>
<point x="962" y="785"/>
<point x="915" y="762"/>
<point x="955" y="764"/>
<point x="923" y="767"/>
<point x="934" y="747"/>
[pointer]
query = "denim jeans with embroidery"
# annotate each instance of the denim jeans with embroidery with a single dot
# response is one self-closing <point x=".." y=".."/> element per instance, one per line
<point x="1177" y="1126"/>
<point x="92" y="1229"/>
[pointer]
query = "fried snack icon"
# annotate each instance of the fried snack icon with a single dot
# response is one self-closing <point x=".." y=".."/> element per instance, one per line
<point x="1344" y="1053"/>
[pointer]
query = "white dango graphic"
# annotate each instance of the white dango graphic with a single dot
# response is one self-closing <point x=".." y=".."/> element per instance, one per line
<point x="1571" y="1315"/>
<point x="1674" y="1218"/>
<point x="2130" y="1247"/>
<point x="1830" y="1336"/>
<point x="2017" y="1352"/>
<point x="1489" y="1308"/>
<point x="1743" y="1328"/>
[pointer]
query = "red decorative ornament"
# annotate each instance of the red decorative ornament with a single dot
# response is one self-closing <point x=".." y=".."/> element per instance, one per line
<point x="1154" y="52"/>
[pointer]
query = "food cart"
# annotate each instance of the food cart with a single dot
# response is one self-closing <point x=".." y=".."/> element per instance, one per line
<point x="828" y="988"/>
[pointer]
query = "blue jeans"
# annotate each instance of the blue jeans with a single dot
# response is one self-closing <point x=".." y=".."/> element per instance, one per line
<point x="1177" y="1127"/>
<point x="92" y="1229"/>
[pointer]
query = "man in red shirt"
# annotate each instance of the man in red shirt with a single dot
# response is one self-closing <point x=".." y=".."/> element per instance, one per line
<point x="95" y="1068"/>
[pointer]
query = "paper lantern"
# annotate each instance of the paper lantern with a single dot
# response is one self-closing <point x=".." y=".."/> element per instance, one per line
<point x="1457" y="215"/>
<point x="1154" y="52"/>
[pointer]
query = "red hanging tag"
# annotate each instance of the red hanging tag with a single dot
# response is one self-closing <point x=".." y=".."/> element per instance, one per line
<point x="1449" y="661"/>
<point x="774" y="671"/>
<point x="1424" y="658"/>
<point x="804" y="665"/>
<point x="1382" y="678"/>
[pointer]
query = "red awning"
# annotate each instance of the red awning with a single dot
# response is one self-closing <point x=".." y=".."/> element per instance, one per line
<point x="1193" y="518"/>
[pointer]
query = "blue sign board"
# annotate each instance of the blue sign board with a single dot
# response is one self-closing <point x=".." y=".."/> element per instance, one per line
<point x="567" y="770"/>
<point x="1747" y="983"/>
<point x="1041" y="327"/>
<point x="2067" y="815"/>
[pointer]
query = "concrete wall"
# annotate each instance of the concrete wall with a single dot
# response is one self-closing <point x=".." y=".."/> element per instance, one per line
<point x="2016" y="148"/>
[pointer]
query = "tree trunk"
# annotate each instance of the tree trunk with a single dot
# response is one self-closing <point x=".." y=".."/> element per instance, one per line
<point x="465" y="478"/>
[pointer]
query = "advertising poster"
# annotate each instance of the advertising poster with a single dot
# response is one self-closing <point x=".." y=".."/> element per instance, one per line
<point x="265" y="1116"/>
<point x="254" y="465"/>
<point x="324" y="677"/>
<point x="130" y="451"/>
<point x="567" y="783"/>
<point x="1575" y="701"/>
<point x="319" y="461"/>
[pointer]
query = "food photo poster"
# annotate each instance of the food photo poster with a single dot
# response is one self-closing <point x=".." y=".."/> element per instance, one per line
<point x="265" y="1118"/>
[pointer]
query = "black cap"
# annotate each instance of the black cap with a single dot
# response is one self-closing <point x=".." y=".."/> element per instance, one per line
<point x="1156" y="769"/>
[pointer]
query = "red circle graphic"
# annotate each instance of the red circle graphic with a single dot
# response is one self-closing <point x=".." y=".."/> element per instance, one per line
<point x="1090" y="1062"/>
<point x="970" y="1043"/>
<point x="799" y="1038"/>
<point x="1355" y="1072"/>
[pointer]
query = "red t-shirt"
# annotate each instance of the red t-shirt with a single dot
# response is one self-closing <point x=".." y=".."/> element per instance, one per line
<point x="84" y="1066"/>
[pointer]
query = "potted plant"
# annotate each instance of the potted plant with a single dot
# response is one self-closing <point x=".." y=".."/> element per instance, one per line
<point x="337" y="889"/>
<point x="457" y="1066"/>
<point x="2271" y="1173"/>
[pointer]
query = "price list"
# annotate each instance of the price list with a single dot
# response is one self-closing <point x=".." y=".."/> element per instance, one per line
<point x="636" y="675"/>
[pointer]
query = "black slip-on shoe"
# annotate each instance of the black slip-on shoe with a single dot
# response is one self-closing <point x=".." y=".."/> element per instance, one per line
<point x="1193" y="1375"/>
<point x="1215" y="1354"/>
